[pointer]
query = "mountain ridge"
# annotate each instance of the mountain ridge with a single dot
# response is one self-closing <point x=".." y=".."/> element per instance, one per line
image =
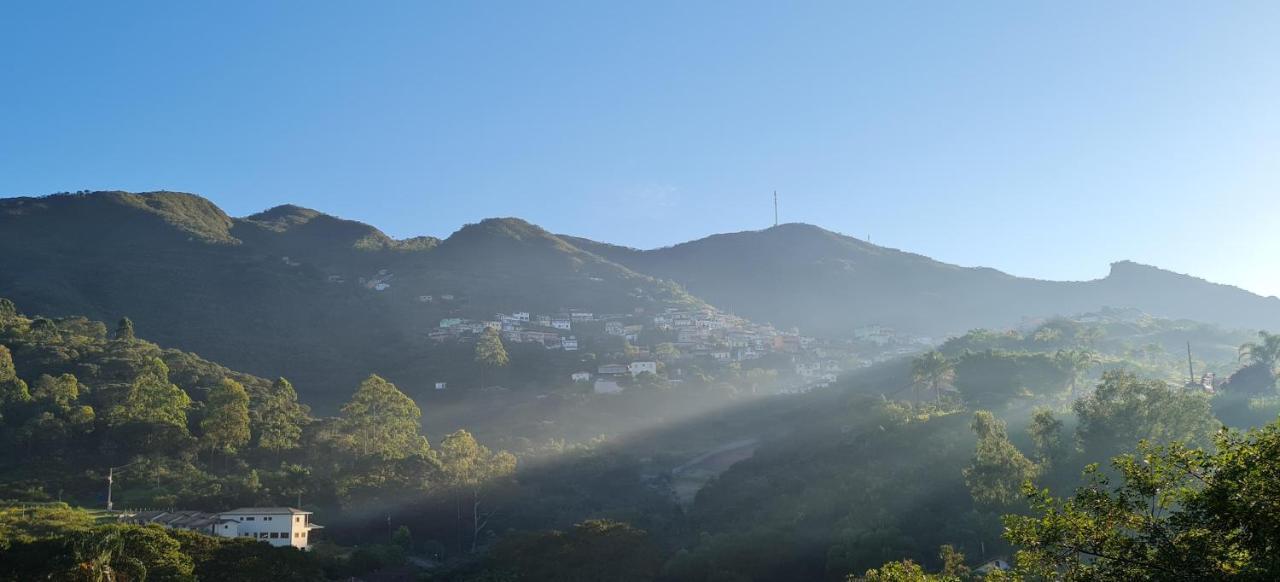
<point x="874" y="276"/>
<point x="303" y="281"/>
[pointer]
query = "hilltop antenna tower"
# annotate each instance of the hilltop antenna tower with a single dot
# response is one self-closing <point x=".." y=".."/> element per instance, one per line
<point x="775" y="208"/>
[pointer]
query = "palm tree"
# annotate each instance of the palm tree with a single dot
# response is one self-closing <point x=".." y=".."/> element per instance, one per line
<point x="93" y="553"/>
<point x="1264" y="352"/>
<point x="1075" y="363"/>
<point x="933" y="371"/>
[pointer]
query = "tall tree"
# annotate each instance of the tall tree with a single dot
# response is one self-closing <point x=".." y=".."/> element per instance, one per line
<point x="1264" y="352"/>
<point x="153" y="398"/>
<point x="61" y="391"/>
<point x="13" y="390"/>
<point x="124" y="329"/>
<point x="44" y="329"/>
<point x="380" y="421"/>
<point x="490" y="353"/>
<point x="998" y="470"/>
<point x="278" y="418"/>
<point x="932" y="371"/>
<point x="1075" y="363"/>
<point x="469" y="468"/>
<point x="1046" y="434"/>
<point x="8" y="310"/>
<point x="225" y="427"/>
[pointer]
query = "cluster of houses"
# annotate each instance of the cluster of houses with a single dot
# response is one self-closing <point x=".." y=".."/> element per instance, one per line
<point x="608" y="376"/>
<point x="553" y="332"/>
<point x="278" y="526"/>
<point x="706" y="334"/>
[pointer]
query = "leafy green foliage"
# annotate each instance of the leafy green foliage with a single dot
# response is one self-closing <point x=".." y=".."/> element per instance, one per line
<point x="1178" y="513"/>
<point x="1125" y="409"/>
<point x="1046" y="434"/>
<point x="226" y="422"/>
<point x="1264" y="352"/>
<point x="379" y="422"/>
<point x="490" y="353"/>
<point x="152" y="398"/>
<point x="124" y="329"/>
<point x="13" y="390"/>
<point x="57" y="542"/>
<point x="993" y="378"/>
<point x="276" y="417"/>
<point x="998" y="470"/>
<point x="933" y="372"/>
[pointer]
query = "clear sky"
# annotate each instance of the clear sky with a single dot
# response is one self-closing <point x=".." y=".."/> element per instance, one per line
<point x="1045" y="139"/>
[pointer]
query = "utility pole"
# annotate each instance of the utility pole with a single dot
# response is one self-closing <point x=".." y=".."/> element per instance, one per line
<point x="775" y="208"/>
<point x="111" y="478"/>
<point x="1190" y="367"/>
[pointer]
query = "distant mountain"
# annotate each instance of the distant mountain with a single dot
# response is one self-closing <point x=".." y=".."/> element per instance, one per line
<point x="291" y="291"/>
<point x="827" y="283"/>
<point x="324" y="301"/>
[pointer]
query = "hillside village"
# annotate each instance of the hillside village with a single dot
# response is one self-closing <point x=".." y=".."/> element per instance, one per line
<point x="657" y="344"/>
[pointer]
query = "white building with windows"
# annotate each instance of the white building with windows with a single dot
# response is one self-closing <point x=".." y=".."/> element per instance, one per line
<point x="278" y="526"/>
<point x="637" y="368"/>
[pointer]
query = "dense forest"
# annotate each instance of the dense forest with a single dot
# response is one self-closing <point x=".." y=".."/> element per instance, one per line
<point x="1077" y="448"/>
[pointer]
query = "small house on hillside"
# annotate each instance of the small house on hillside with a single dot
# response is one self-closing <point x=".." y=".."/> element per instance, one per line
<point x="580" y="376"/>
<point x="613" y="370"/>
<point x="637" y="368"/>
<point x="278" y="526"/>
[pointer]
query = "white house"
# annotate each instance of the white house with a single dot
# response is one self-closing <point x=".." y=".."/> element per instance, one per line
<point x="570" y="344"/>
<point x="614" y="327"/>
<point x="521" y="316"/>
<point x="581" y="376"/>
<point x="637" y="368"/>
<point x="561" y="323"/>
<point x="441" y="385"/>
<point x="278" y="526"/>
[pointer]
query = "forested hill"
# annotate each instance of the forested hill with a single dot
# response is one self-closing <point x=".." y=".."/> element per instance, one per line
<point x="826" y="283"/>
<point x="294" y="292"/>
<point x="291" y="291"/>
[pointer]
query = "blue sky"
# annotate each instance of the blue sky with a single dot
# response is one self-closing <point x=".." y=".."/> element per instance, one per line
<point x="1045" y="139"/>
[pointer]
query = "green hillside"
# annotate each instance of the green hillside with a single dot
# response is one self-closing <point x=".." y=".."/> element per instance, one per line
<point x="288" y="291"/>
